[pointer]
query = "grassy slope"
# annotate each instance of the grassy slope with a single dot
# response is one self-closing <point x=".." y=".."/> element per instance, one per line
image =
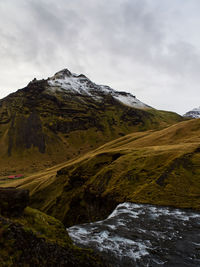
<point x="158" y="167"/>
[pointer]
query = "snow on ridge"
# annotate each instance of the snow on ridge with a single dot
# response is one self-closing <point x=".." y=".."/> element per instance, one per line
<point x="70" y="84"/>
<point x="65" y="80"/>
<point x="194" y="113"/>
<point x="130" y="100"/>
<point x="196" y="109"/>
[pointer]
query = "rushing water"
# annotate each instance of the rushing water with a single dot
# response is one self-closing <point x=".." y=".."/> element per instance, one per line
<point x="144" y="235"/>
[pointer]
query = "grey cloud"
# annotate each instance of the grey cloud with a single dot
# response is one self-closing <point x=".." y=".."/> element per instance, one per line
<point x="131" y="43"/>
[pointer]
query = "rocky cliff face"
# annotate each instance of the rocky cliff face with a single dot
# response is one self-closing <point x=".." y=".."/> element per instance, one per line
<point x="57" y="119"/>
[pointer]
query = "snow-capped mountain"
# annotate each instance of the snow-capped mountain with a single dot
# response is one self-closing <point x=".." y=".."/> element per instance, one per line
<point x="68" y="82"/>
<point x="194" y="113"/>
<point x="62" y="117"/>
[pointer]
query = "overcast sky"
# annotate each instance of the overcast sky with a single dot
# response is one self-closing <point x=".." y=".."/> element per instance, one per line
<point x="150" y="48"/>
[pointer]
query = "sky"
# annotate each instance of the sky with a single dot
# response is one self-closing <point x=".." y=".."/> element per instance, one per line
<point x="150" y="48"/>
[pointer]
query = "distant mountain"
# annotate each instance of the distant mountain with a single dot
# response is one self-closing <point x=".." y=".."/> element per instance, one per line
<point x="54" y="120"/>
<point x="194" y="113"/>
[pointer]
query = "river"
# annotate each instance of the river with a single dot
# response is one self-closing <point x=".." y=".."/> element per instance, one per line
<point x="143" y="235"/>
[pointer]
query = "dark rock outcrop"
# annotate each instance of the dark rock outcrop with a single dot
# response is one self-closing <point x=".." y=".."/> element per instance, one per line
<point x="27" y="132"/>
<point x="13" y="201"/>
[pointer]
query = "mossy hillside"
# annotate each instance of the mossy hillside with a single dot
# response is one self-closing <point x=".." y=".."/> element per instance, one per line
<point x="158" y="177"/>
<point x="44" y="226"/>
<point x="60" y="147"/>
<point x="157" y="167"/>
<point x="36" y="239"/>
<point x="41" y="129"/>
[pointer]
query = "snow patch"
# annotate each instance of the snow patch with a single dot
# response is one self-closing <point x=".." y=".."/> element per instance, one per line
<point x="130" y="100"/>
<point x="79" y="84"/>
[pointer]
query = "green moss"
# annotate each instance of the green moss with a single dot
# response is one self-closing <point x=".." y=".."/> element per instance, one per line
<point x="44" y="226"/>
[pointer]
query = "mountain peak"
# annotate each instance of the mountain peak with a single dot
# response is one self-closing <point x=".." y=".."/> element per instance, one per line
<point x="67" y="73"/>
<point x="63" y="73"/>
<point x="72" y="83"/>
